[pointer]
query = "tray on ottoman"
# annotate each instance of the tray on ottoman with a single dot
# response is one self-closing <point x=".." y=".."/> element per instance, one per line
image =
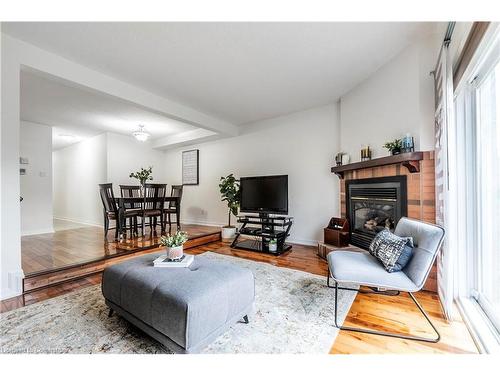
<point x="183" y="308"/>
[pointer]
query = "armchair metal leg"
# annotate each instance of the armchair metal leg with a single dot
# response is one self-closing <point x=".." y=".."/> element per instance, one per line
<point x="384" y="333"/>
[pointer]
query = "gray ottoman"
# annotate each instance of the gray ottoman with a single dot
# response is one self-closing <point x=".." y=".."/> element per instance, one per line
<point x="182" y="308"/>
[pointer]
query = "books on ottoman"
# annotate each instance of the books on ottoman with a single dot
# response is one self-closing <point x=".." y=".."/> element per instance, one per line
<point x="163" y="261"/>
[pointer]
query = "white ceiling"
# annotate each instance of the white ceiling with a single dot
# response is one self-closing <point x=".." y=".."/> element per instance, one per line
<point x="239" y="72"/>
<point x="82" y="113"/>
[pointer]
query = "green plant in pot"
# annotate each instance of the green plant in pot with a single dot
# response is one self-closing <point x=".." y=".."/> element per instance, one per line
<point x="394" y="147"/>
<point x="143" y="176"/>
<point x="174" y="244"/>
<point x="229" y="188"/>
<point x="273" y="245"/>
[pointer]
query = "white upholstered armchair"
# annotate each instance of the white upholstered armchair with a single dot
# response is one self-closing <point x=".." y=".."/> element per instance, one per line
<point x="363" y="269"/>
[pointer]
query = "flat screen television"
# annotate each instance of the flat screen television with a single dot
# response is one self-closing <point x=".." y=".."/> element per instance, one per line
<point x="264" y="194"/>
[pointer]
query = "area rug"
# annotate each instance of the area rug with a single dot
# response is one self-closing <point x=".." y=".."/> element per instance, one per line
<point x="293" y="314"/>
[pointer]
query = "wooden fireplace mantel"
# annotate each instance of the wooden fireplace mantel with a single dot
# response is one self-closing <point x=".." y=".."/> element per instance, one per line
<point x="409" y="159"/>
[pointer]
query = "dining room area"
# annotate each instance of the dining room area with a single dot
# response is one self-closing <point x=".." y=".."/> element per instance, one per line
<point x="94" y="186"/>
<point x="141" y="214"/>
<point x="134" y="221"/>
<point x="104" y="201"/>
<point x="138" y="203"/>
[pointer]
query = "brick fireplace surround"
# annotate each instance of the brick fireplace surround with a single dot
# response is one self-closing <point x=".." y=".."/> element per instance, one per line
<point x="420" y="188"/>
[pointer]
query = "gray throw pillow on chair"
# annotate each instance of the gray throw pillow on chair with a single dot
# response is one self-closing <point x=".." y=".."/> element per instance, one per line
<point x="393" y="251"/>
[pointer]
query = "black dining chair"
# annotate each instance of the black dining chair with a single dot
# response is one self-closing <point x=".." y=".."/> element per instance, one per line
<point x="171" y="209"/>
<point x="153" y="207"/>
<point x="132" y="191"/>
<point x="110" y="209"/>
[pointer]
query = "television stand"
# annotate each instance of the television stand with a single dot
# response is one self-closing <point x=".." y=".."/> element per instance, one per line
<point x="263" y="229"/>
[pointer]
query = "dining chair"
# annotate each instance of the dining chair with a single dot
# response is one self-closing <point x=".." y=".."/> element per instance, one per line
<point x="110" y="209"/>
<point x="172" y="209"/>
<point x="153" y="208"/>
<point x="132" y="191"/>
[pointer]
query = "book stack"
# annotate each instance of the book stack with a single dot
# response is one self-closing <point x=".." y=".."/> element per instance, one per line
<point x="163" y="261"/>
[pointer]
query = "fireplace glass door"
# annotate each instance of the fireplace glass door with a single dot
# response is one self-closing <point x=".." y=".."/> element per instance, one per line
<point x="372" y="217"/>
<point x="373" y="205"/>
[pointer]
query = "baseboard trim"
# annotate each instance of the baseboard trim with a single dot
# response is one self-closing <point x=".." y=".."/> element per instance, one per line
<point x="202" y="222"/>
<point x="14" y="285"/>
<point x="38" y="231"/>
<point x="299" y="241"/>
<point x="292" y="240"/>
<point x="8" y="294"/>
<point x="91" y="223"/>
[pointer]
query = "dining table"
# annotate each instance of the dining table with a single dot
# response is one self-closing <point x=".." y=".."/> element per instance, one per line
<point x="123" y="202"/>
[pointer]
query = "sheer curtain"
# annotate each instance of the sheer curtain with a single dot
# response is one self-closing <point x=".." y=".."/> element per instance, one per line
<point x="443" y="83"/>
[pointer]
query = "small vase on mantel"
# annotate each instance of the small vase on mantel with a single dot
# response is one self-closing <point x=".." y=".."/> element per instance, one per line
<point x="366" y="153"/>
<point x="396" y="151"/>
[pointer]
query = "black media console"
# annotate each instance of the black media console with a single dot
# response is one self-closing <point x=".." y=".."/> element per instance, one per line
<point x="264" y="229"/>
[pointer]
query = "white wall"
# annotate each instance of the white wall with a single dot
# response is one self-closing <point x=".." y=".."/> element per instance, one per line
<point x="396" y="100"/>
<point x="36" y="184"/>
<point x="11" y="271"/>
<point x="301" y="145"/>
<point x="1" y="156"/>
<point x="78" y="169"/>
<point x="125" y="155"/>
<point x="108" y="157"/>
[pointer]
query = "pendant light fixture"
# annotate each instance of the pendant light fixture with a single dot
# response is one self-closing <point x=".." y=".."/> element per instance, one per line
<point x="141" y="135"/>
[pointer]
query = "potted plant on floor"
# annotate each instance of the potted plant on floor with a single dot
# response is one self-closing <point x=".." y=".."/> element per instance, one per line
<point x="273" y="245"/>
<point x="143" y="176"/>
<point x="394" y="147"/>
<point x="230" y="193"/>
<point x="174" y="244"/>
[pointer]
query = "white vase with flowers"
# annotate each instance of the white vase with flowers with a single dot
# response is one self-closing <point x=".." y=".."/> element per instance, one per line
<point x="174" y="244"/>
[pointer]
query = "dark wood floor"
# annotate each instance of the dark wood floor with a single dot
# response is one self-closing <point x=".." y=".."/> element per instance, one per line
<point x="71" y="247"/>
<point x="376" y="312"/>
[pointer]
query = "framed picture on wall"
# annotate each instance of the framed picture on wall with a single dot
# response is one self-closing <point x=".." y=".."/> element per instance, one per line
<point x="190" y="167"/>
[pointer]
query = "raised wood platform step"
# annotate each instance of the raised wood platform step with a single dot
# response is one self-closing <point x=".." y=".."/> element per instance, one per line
<point x="69" y="272"/>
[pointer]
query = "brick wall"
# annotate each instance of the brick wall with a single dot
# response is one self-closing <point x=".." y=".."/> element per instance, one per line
<point x="421" y="194"/>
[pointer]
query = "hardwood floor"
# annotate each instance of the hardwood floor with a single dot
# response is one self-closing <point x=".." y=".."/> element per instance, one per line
<point x="371" y="311"/>
<point x="399" y="314"/>
<point x="51" y="251"/>
<point x="77" y="253"/>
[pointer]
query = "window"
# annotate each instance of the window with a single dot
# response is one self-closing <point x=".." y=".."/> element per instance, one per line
<point x="476" y="199"/>
<point x="487" y="290"/>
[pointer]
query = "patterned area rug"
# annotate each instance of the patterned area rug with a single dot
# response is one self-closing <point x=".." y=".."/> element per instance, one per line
<point x="293" y="314"/>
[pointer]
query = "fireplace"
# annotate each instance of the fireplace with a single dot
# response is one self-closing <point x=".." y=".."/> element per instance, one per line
<point x="374" y="204"/>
